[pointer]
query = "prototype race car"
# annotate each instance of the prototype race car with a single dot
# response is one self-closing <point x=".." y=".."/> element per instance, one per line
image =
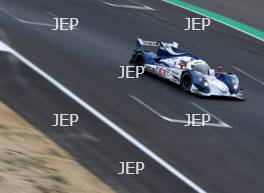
<point x="191" y="73"/>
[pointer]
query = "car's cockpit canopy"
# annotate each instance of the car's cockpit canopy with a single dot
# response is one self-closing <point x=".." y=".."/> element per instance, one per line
<point x="204" y="69"/>
<point x="200" y="66"/>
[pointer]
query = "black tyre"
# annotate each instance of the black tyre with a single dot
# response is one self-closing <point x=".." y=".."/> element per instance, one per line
<point x="139" y="59"/>
<point x="186" y="82"/>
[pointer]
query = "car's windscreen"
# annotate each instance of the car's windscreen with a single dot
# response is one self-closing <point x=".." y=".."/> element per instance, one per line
<point x="204" y="69"/>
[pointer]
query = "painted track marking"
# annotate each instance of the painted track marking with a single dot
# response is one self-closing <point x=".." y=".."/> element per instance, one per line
<point x="52" y="14"/>
<point x="212" y="115"/>
<point x="104" y="119"/>
<point x="220" y="124"/>
<point x="247" y="74"/>
<point x="26" y="21"/>
<point x="140" y="7"/>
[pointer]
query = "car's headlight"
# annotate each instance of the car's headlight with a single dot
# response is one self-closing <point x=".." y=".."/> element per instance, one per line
<point x="235" y="82"/>
<point x="206" y="83"/>
<point x="202" y="79"/>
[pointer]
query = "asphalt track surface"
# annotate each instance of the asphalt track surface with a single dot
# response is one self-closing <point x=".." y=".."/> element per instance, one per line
<point x="245" y="11"/>
<point x="87" y="60"/>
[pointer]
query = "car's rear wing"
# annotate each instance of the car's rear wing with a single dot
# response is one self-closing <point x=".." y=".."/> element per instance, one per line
<point x="141" y="43"/>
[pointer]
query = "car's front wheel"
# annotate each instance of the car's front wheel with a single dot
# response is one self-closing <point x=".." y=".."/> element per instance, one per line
<point x="186" y="82"/>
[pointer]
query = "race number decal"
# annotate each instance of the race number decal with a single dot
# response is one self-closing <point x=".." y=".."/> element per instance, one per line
<point x="161" y="71"/>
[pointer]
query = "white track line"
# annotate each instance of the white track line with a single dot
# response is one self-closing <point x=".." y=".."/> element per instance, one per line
<point x="247" y="74"/>
<point x="52" y="14"/>
<point x="141" y="7"/>
<point x="104" y="119"/>
<point x="220" y="124"/>
<point x="4" y="47"/>
<point x="212" y="115"/>
<point x="25" y="21"/>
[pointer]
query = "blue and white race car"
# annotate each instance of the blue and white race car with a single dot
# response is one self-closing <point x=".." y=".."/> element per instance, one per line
<point x="191" y="73"/>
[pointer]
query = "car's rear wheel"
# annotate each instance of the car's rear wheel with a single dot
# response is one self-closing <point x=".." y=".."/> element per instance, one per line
<point x="139" y="59"/>
<point x="186" y="82"/>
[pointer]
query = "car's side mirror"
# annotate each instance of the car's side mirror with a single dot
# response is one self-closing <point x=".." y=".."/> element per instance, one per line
<point x="219" y="69"/>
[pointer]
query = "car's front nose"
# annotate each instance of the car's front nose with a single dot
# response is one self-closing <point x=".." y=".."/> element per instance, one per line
<point x="217" y="87"/>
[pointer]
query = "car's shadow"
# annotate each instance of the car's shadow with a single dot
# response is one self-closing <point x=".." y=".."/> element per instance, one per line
<point x="173" y="85"/>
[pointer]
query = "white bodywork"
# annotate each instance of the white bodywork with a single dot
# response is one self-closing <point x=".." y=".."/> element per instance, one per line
<point x="175" y="69"/>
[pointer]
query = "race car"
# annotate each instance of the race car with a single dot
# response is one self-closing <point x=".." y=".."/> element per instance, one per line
<point x="187" y="70"/>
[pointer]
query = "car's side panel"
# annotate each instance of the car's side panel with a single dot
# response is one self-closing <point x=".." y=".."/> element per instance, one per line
<point x="172" y="74"/>
<point x="149" y="57"/>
